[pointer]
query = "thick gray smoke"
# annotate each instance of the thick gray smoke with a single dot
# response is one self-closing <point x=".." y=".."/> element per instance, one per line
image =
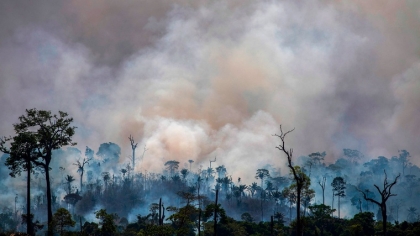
<point x="199" y="79"/>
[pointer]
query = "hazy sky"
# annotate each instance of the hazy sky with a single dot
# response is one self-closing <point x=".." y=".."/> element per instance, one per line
<point x="195" y="79"/>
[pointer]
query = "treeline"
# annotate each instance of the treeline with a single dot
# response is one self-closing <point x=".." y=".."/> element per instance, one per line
<point x="352" y="196"/>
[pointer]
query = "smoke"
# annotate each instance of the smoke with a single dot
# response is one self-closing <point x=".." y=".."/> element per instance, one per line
<point x="196" y="80"/>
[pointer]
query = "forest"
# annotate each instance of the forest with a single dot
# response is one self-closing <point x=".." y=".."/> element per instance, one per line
<point x="354" y="195"/>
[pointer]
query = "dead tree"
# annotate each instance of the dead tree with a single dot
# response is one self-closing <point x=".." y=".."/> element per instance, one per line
<point x="322" y="184"/>
<point x="298" y="177"/>
<point x="212" y="161"/>
<point x="385" y="195"/>
<point x="81" y="166"/>
<point x="133" y="147"/>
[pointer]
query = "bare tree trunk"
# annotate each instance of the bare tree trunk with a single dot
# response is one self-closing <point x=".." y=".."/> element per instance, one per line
<point x="384" y="219"/>
<point x="28" y="201"/>
<point x="272" y="226"/>
<point x="215" y="213"/>
<point x="298" y="223"/>
<point x="81" y="180"/>
<point x="49" y="206"/>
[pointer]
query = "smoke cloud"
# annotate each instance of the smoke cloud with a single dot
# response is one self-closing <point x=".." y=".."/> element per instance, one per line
<point x="192" y="80"/>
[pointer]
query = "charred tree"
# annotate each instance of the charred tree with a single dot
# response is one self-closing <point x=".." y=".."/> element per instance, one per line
<point x="81" y="165"/>
<point x="385" y="195"/>
<point x="298" y="177"/>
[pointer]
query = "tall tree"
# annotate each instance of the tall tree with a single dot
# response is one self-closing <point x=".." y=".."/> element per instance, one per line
<point x="190" y="161"/>
<point x="298" y="177"/>
<point x="133" y="148"/>
<point x="52" y="132"/>
<point x="385" y="195"/>
<point x="339" y="185"/>
<point x="81" y="164"/>
<point x="322" y="184"/>
<point x="69" y="179"/>
<point x="262" y="174"/>
<point x="21" y="155"/>
<point x="404" y="157"/>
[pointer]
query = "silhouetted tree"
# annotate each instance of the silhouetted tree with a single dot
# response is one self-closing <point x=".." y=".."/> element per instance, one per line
<point x="81" y="165"/>
<point x="404" y="159"/>
<point x="61" y="220"/>
<point x="107" y="222"/>
<point x="299" y="178"/>
<point x="322" y="184"/>
<point x="52" y="132"/>
<point x="133" y="148"/>
<point x="21" y="155"/>
<point x="339" y="185"/>
<point x="262" y="174"/>
<point x="172" y="166"/>
<point x="69" y="179"/>
<point x="184" y="173"/>
<point x="385" y="195"/>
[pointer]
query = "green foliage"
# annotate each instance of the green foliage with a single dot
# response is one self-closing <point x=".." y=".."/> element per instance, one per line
<point x="183" y="220"/>
<point x="61" y="220"/>
<point x="108" y="226"/>
<point x="365" y="221"/>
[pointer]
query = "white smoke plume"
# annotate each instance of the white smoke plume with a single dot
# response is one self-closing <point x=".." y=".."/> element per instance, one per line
<point x="205" y="79"/>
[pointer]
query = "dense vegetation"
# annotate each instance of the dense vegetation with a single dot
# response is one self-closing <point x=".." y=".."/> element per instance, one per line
<point x="351" y="196"/>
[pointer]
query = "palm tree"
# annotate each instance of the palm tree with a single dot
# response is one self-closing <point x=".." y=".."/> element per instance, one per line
<point x="210" y="172"/>
<point x="69" y="179"/>
<point x="184" y="173"/>
<point x="253" y="188"/>
<point x="123" y="172"/>
<point x="221" y="171"/>
<point x="276" y="196"/>
<point x="242" y="188"/>
<point x="262" y="174"/>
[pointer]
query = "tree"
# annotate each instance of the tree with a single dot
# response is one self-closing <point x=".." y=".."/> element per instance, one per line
<point x="81" y="164"/>
<point x="21" y="155"/>
<point x="221" y="171"/>
<point x="404" y="157"/>
<point x="172" y="166"/>
<point x="365" y="220"/>
<point x="106" y="177"/>
<point x="253" y="188"/>
<point x="69" y="179"/>
<point x="190" y="161"/>
<point x="321" y="215"/>
<point x="62" y="219"/>
<point x="107" y="223"/>
<point x="262" y="174"/>
<point x="385" y="195"/>
<point x="339" y="185"/>
<point x="133" y="148"/>
<point x="52" y="132"/>
<point x="184" y="173"/>
<point x="322" y="184"/>
<point x="353" y="155"/>
<point x="299" y="178"/>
